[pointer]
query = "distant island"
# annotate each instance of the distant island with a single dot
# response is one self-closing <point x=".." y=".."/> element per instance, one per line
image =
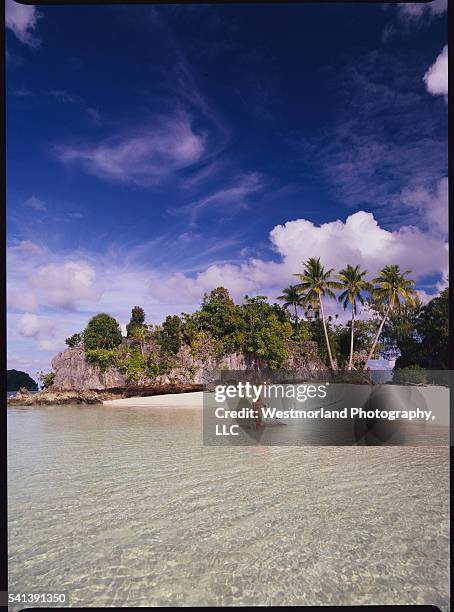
<point x="259" y="335"/>
<point x="15" y="380"/>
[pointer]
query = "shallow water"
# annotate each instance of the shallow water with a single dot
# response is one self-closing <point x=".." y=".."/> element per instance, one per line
<point x="124" y="506"/>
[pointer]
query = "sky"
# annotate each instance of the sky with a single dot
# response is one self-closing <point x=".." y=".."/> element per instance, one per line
<point x="156" y="152"/>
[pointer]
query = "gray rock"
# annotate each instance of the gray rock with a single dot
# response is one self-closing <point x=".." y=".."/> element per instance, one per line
<point x="72" y="371"/>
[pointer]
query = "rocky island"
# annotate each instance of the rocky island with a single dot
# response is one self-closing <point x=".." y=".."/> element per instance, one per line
<point x="255" y="336"/>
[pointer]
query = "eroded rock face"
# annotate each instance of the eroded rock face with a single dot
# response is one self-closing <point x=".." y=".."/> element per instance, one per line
<point x="196" y="370"/>
<point x="72" y="371"/>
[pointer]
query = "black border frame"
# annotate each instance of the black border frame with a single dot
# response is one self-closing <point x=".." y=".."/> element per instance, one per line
<point x="3" y="419"/>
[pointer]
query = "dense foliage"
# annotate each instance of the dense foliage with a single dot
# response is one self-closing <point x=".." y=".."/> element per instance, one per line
<point x="398" y="327"/>
<point x="16" y="379"/>
<point x="419" y="335"/>
<point x="136" y="321"/>
<point x="102" y="332"/>
<point x="74" y="340"/>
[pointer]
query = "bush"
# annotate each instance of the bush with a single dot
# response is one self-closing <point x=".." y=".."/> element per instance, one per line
<point x="412" y="374"/>
<point x="74" y="340"/>
<point x="134" y="366"/>
<point x="159" y="366"/>
<point x="170" y="335"/>
<point x="102" y="358"/>
<point x="47" y="380"/>
<point x="102" y="332"/>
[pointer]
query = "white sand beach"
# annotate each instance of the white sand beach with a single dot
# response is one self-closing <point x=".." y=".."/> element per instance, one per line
<point x="436" y="398"/>
<point x="170" y="400"/>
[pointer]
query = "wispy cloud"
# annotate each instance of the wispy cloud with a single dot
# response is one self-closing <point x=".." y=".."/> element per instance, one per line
<point x="431" y="206"/>
<point x="410" y="16"/>
<point x="21" y="19"/>
<point x="182" y="133"/>
<point x="359" y="239"/>
<point x="421" y="11"/>
<point x="36" y="204"/>
<point x="234" y="196"/>
<point x="386" y="139"/>
<point x="62" y="95"/>
<point x="143" y="156"/>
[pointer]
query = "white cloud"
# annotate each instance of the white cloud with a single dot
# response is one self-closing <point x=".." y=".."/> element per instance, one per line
<point x="22" y="19"/>
<point x="358" y="240"/>
<point x="432" y="206"/>
<point x="436" y="78"/>
<point x="65" y="284"/>
<point x="57" y="292"/>
<point x="29" y="325"/>
<point x="144" y="157"/>
<point x="21" y="301"/>
<point x="36" y="204"/>
<point x="41" y="329"/>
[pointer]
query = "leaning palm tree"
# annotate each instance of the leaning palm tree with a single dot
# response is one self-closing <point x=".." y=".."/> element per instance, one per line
<point x="392" y="288"/>
<point x="291" y="297"/>
<point x="353" y="284"/>
<point x="315" y="284"/>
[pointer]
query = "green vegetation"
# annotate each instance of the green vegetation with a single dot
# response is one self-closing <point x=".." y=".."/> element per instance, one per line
<point x="316" y="284"/>
<point x="137" y="320"/>
<point x="298" y="331"/>
<point x="74" y="340"/>
<point x="352" y="284"/>
<point x="169" y="336"/>
<point x="103" y="358"/>
<point x="418" y="335"/>
<point x="413" y="374"/>
<point x="46" y="379"/>
<point x="16" y="379"/>
<point x="392" y="288"/>
<point x="133" y="364"/>
<point x="102" y="332"/>
<point x="292" y="299"/>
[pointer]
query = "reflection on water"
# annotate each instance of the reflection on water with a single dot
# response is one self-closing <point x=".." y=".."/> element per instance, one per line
<point x="126" y="507"/>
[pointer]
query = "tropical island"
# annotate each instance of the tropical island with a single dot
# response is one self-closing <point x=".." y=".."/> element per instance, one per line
<point x="290" y="332"/>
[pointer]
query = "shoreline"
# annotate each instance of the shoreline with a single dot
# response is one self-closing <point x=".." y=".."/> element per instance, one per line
<point x="191" y="399"/>
<point x="59" y="397"/>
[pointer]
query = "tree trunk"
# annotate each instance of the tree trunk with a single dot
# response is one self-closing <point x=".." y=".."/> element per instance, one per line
<point x="326" y="334"/>
<point x="296" y="314"/>
<point x="350" y="361"/>
<point x="385" y="316"/>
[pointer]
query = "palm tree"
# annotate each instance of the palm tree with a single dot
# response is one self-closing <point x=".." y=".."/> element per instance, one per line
<point x="392" y="287"/>
<point x="315" y="284"/>
<point x="291" y="297"/>
<point x="353" y="284"/>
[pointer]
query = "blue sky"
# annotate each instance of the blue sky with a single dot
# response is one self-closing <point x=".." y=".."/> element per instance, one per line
<point x="154" y="152"/>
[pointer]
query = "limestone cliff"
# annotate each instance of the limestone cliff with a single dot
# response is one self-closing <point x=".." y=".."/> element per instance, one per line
<point x="73" y="372"/>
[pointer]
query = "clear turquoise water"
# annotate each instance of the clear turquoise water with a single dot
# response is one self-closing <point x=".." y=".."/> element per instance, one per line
<point x="126" y="507"/>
